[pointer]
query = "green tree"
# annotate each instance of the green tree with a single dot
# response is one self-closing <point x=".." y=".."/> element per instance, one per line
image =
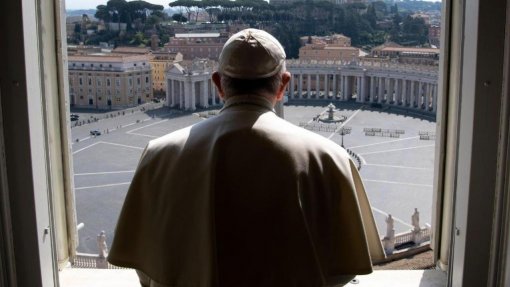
<point x="103" y="13"/>
<point x="414" y="31"/>
<point x="139" y="39"/>
<point x="371" y="16"/>
<point x="117" y="8"/>
<point x="394" y="9"/>
<point x="179" y="17"/>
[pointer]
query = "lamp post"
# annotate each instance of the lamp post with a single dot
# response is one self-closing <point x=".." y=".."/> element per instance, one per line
<point x="344" y="131"/>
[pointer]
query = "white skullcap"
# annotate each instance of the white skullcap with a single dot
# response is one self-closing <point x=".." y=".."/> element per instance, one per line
<point x="251" y="54"/>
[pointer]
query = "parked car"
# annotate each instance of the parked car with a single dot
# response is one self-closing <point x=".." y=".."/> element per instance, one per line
<point x="74" y="117"/>
<point x="95" y="133"/>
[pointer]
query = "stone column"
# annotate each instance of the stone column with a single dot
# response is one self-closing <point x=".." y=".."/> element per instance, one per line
<point x="213" y="93"/>
<point x="388" y="90"/>
<point x="300" y="86"/>
<point x="291" y="87"/>
<point x="434" y="98"/>
<point x="175" y="92"/>
<point x="193" y="92"/>
<point x="397" y="91"/>
<point x="181" y="94"/>
<point x="372" y="89"/>
<point x="187" y="95"/>
<point x="381" y="90"/>
<point x="404" y="92"/>
<point x="335" y="88"/>
<point x="420" y="90"/>
<point x="341" y="86"/>
<point x="205" y="94"/>
<point x="308" y="85"/>
<point x="364" y="88"/>
<point x="326" y="87"/>
<point x="317" y="85"/>
<point x="358" y="89"/>
<point x="348" y="90"/>
<point x="412" y="94"/>
<point x="169" y="94"/>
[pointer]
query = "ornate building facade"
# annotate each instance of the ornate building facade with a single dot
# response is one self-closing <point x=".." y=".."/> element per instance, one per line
<point x="384" y="83"/>
<point x="189" y="85"/>
<point x="109" y="81"/>
<point x="380" y="82"/>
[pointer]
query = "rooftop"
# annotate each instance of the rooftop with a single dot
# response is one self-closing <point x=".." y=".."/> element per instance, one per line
<point x="408" y="49"/>
<point x="110" y="58"/>
<point x="131" y="50"/>
<point x="196" y="35"/>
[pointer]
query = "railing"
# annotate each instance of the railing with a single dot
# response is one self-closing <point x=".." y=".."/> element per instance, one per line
<point x="405" y="243"/>
<point x="91" y="261"/>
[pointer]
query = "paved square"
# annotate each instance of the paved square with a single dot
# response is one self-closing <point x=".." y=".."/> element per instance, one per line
<point x="397" y="172"/>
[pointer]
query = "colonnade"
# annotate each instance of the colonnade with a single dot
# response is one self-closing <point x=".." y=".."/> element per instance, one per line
<point x="408" y="86"/>
<point x="362" y="85"/>
<point x="190" y="92"/>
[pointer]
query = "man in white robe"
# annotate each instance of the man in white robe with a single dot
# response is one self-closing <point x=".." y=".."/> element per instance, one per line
<point x="246" y="199"/>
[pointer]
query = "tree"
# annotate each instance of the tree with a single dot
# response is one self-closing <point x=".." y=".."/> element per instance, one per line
<point x="380" y="8"/>
<point x="414" y="30"/>
<point x="118" y="10"/>
<point x="179" y="18"/>
<point x="371" y="16"/>
<point x="142" y="9"/>
<point x="77" y="28"/>
<point x="186" y="4"/>
<point x="394" y="9"/>
<point x="139" y="39"/>
<point x="103" y="13"/>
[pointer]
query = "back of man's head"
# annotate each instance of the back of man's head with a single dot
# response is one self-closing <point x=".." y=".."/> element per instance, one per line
<point x="251" y="62"/>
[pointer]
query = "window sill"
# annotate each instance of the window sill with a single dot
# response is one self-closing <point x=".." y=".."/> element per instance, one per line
<point x="70" y="277"/>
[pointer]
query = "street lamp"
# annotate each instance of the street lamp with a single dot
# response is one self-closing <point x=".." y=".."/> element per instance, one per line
<point x="344" y="131"/>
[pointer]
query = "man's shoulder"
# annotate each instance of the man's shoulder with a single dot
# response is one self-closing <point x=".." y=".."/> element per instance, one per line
<point x="302" y="139"/>
<point x="173" y="139"/>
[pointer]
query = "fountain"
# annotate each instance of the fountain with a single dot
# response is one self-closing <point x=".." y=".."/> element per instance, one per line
<point x="330" y="117"/>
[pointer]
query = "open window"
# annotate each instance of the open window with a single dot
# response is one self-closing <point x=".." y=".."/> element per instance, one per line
<point x="38" y="221"/>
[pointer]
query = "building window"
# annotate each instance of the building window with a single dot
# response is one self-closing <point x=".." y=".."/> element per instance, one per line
<point x="81" y="81"/>
<point x="146" y="79"/>
<point x="108" y="82"/>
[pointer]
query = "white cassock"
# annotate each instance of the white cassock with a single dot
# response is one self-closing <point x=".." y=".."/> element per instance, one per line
<point x="246" y="199"/>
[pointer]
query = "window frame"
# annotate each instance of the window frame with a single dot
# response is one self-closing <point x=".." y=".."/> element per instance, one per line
<point x="469" y="78"/>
